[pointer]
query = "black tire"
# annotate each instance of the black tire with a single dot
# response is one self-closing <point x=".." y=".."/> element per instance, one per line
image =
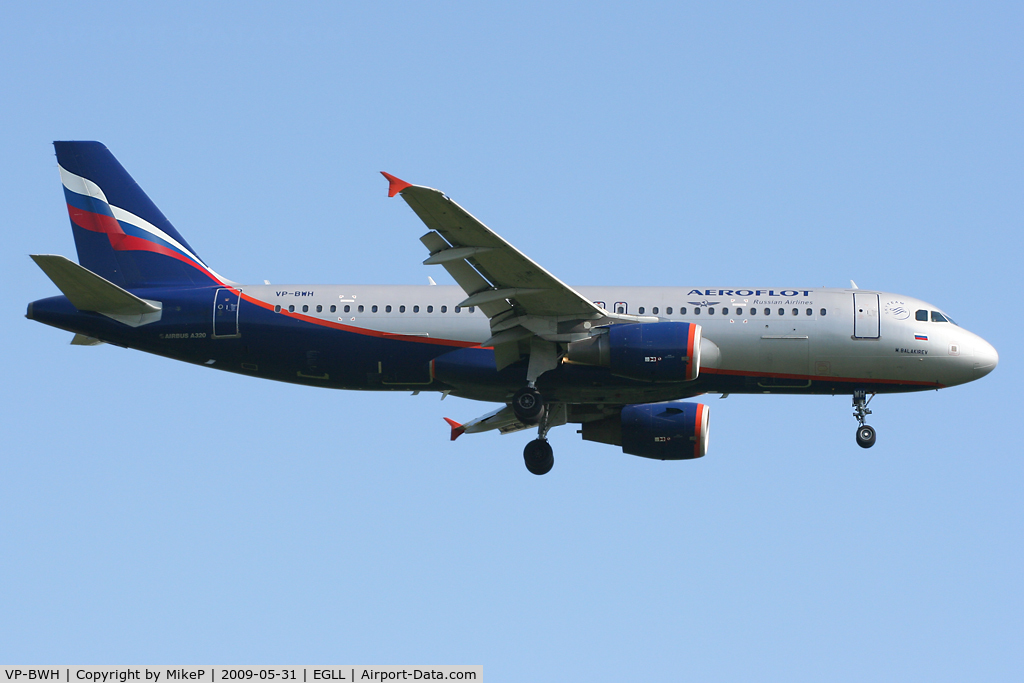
<point x="539" y="457"/>
<point x="865" y="436"/>
<point x="528" y="405"/>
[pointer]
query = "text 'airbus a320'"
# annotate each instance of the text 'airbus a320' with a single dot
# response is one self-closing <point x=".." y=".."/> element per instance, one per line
<point x="616" y="360"/>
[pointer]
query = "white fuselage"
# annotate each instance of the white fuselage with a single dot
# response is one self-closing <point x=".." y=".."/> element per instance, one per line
<point x="796" y="333"/>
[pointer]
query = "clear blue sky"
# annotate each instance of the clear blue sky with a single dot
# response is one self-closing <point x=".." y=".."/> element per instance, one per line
<point x="154" y="512"/>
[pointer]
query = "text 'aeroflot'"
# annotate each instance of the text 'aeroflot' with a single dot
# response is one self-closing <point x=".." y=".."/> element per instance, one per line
<point x="619" y="361"/>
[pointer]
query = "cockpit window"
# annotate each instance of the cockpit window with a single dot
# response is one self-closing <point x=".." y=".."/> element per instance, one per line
<point x="938" y="317"/>
<point x="921" y="316"/>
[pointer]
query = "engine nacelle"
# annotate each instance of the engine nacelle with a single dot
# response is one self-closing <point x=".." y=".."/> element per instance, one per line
<point x="664" y="431"/>
<point x="649" y="352"/>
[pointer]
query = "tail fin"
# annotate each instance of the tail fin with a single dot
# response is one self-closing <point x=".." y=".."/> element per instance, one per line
<point x="119" y="233"/>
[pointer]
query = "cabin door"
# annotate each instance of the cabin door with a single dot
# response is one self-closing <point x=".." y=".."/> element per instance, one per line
<point x="225" y="313"/>
<point x="865" y="315"/>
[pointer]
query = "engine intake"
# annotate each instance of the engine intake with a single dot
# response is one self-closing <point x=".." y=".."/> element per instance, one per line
<point x="663" y="431"/>
<point x="649" y="352"/>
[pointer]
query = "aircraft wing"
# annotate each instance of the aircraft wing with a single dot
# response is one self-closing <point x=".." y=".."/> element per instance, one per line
<point x="506" y="273"/>
<point x="525" y="303"/>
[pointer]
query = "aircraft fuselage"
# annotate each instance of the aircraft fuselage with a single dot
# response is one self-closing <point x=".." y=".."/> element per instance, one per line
<point x="412" y="338"/>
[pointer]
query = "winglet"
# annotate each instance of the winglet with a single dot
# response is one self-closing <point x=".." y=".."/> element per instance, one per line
<point x="457" y="429"/>
<point x="396" y="185"/>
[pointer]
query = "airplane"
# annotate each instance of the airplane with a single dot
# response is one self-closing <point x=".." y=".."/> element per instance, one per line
<point x="617" y="361"/>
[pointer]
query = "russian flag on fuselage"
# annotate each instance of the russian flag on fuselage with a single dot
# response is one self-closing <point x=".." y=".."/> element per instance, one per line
<point x="119" y="233"/>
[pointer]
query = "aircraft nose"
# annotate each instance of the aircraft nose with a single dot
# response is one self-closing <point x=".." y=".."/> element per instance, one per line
<point x="986" y="358"/>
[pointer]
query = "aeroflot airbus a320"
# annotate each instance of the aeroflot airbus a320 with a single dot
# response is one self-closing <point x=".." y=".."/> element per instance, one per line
<point x="616" y="360"/>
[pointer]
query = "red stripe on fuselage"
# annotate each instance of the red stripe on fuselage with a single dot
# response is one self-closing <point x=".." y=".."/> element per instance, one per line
<point x="361" y="330"/>
<point x="818" y="378"/>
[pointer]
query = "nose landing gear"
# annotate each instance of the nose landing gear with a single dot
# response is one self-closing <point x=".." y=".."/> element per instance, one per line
<point x="865" y="432"/>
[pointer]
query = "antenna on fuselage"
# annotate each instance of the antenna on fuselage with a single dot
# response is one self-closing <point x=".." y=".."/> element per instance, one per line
<point x="853" y="285"/>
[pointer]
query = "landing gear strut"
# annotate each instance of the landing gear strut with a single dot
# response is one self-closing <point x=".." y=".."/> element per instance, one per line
<point x="865" y="432"/>
<point x="538" y="455"/>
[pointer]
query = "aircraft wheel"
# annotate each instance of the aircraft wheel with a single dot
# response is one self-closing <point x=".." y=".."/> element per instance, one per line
<point x="528" y="404"/>
<point x="538" y="456"/>
<point x="865" y="436"/>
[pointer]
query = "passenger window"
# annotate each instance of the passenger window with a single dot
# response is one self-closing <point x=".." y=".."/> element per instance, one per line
<point x="360" y="308"/>
<point x="796" y="311"/>
<point x="782" y="311"/>
<point x="347" y="308"/>
<point x="767" y="311"/>
<point x="444" y="309"/>
<point x="696" y="311"/>
<point x="333" y="308"/>
<point x="938" y="317"/>
<point x="810" y="311"/>
<point x="401" y="309"/>
<point x="641" y="310"/>
<point x="654" y="310"/>
<point x="374" y="308"/>
<point x="305" y="308"/>
<point x="415" y="309"/>
<point x="430" y="309"/>
<point x="753" y="311"/>
<point x="711" y="311"/>
<point x="725" y="311"/>
<point x="277" y="309"/>
<point x="472" y="309"/>
<point x="458" y="309"/>
<point x="291" y="309"/>
<point x="921" y="316"/>
<point x="682" y="311"/>
<point x="387" y="309"/>
<point x="822" y="312"/>
<point x="739" y="311"/>
<point x="668" y="311"/>
<point x="319" y="308"/>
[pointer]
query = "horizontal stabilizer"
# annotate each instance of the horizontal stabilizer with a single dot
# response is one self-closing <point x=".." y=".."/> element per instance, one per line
<point x="83" y="340"/>
<point x="87" y="291"/>
<point x="502" y="419"/>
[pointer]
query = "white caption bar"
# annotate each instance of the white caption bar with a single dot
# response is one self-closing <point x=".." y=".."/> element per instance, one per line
<point x="238" y="674"/>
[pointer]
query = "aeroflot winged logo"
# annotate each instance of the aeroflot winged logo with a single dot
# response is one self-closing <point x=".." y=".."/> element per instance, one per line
<point x="704" y="303"/>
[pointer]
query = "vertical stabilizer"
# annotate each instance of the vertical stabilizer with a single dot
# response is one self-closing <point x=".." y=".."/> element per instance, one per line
<point x="119" y="233"/>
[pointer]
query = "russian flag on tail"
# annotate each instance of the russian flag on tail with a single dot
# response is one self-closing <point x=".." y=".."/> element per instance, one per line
<point x="119" y="233"/>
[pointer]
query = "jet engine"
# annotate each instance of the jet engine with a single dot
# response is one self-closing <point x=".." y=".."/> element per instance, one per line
<point x="650" y="352"/>
<point x="663" y="431"/>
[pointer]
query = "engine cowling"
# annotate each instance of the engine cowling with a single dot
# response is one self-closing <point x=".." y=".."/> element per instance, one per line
<point x="649" y="352"/>
<point x="664" y="431"/>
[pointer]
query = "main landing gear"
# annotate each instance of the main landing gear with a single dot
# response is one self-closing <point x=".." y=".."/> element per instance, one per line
<point x="865" y="432"/>
<point x="528" y="406"/>
<point x="538" y="456"/>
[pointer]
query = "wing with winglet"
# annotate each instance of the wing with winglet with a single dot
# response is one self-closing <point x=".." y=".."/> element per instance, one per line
<point x="530" y="310"/>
